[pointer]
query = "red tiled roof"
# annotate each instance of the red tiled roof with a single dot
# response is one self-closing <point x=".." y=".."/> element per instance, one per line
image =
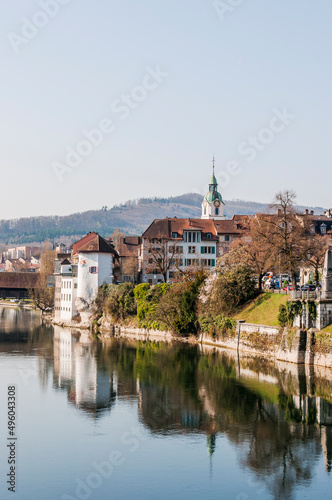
<point x="163" y="228"/>
<point x="237" y="225"/>
<point x="93" y="242"/>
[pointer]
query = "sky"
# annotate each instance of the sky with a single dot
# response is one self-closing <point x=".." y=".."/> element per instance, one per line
<point x="107" y="101"/>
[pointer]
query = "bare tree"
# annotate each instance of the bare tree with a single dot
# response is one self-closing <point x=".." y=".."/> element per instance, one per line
<point x="117" y="237"/>
<point x="253" y="249"/>
<point x="130" y="267"/>
<point x="287" y="234"/>
<point x="42" y="295"/>
<point x="316" y="253"/>
<point x="163" y="256"/>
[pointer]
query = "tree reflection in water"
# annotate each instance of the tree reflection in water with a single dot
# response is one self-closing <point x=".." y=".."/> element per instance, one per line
<point x="278" y="416"/>
<point x="260" y="406"/>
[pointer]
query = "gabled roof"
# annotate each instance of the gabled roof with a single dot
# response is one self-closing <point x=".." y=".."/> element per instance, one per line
<point x="164" y="228"/>
<point x="93" y="242"/>
<point x="66" y="262"/>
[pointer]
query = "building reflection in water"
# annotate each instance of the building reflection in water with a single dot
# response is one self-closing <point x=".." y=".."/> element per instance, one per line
<point x="279" y="415"/>
<point x="76" y="370"/>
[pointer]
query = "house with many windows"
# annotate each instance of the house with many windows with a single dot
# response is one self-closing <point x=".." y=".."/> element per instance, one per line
<point x="78" y="276"/>
<point x="170" y="245"/>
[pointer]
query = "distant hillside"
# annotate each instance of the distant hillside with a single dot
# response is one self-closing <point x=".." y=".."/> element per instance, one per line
<point x="133" y="217"/>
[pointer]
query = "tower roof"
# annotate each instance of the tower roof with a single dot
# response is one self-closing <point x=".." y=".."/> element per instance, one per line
<point x="213" y="193"/>
<point x="213" y="181"/>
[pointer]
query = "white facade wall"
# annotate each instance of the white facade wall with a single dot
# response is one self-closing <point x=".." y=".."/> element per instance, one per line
<point x="68" y="295"/>
<point x="185" y="255"/>
<point x="94" y="269"/>
<point x="105" y="268"/>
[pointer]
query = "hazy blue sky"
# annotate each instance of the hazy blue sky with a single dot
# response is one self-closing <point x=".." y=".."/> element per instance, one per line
<point x="225" y="77"/>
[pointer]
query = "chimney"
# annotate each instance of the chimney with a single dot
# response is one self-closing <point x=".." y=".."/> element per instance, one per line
<point x="311" y="212"/>
<point x="189" y="222"/>
<point x="279" y="212"/>
<point x="306" y="211"/>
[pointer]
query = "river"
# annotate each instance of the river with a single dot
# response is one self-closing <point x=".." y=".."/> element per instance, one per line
<point x="123" y="419"/>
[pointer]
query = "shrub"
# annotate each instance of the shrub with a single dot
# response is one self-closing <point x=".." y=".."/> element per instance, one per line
<point x="120" y="302"/>
<point x="231" y="289"/>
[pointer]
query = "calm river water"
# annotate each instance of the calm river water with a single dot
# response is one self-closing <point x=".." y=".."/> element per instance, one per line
<point x="134" y="420"/>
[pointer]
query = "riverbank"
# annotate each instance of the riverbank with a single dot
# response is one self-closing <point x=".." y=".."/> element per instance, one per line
<point x="293" y="345"/>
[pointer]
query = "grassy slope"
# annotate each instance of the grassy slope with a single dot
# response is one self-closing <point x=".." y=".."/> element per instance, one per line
<point x="263" y="310"/>
<point x="327" y="329"/>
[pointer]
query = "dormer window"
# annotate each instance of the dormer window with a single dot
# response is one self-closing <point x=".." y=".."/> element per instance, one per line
<point x="312" y="228"/>
<point x="323" y="228"/>
<point x="208" y="236"/>
<point x="175" y="235"/>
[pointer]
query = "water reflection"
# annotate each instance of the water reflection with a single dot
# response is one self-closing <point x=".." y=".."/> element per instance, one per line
<point x="277" y="416"/>
<point x="76" y="370"/>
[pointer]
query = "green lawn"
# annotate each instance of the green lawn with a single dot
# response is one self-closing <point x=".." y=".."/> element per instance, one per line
<point x="327" y="329"/>
<point x="263" y="310"/>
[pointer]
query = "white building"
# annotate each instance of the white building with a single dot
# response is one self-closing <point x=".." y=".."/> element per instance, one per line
<point x="77" y="280"/>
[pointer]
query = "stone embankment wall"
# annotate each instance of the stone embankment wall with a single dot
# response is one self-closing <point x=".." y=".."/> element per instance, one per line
<point x="293" y="345"/>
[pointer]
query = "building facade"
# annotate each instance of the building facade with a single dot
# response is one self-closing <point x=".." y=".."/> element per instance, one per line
<point x="79" y="276"/>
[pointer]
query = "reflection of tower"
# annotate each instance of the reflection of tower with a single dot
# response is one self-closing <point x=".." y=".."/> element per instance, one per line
<point x="324" y="417"/>
<point x="211" y="446"/>
<point x="326" y="441"/>
<point x="64" y="356"/>
<point x="93" y="387"/>
<point x="76" y="367"/>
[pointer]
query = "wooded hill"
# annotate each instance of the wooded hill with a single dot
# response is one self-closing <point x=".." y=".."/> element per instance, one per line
<point x="132" y="217"/>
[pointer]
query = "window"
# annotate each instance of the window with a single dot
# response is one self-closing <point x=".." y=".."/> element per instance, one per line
<point x="191" y="262"/>
<point x="323" y="228"/>
<point x="226" y="237"/>
<point x="208" y="250"/>
<point x="192" y="250"/>
<point x="217" y="211"/>
<point x="93" y="269"/>
<point x="208" y="262"/>
<point x="175" y="235"/>
<point x="209" y="236"/>
<point x="75" y="285"/>
<point x="204" y="210"/>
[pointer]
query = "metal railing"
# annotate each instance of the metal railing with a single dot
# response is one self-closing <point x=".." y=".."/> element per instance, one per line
<point x="305" y="294"/>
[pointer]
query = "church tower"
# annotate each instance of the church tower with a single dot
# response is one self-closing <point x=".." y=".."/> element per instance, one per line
<point x="213" y="206"/>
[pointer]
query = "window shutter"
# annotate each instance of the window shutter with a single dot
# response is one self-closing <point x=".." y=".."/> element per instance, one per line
<point x="213" y="262"/>
<point x="202" y="250"/>
<point x="213" y="250"/>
